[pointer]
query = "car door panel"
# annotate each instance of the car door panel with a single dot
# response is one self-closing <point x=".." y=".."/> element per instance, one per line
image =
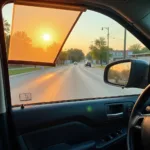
<point x="72" y="125"/>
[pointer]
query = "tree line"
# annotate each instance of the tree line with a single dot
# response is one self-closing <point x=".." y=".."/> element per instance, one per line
<point x="73" y="55"/>
<point x="22" y="40"/>
<point x="138" y="49"/>
<point x="99" y="51"/>
<point x="6" y="33"/>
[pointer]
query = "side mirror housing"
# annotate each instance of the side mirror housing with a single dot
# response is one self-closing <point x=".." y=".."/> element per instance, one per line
<point x="127" y="73"/>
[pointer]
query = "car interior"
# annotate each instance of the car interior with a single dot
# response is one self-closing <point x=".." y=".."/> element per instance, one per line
<point x="103" y="123"/>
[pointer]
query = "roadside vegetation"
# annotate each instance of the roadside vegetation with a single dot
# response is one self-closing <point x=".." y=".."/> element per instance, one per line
<point x="71" y="55"/>
<point x="99" y="66"/>
<point x="22" y="70"/>
<point x="138" y="49"/>
<point x="99" y="51"/>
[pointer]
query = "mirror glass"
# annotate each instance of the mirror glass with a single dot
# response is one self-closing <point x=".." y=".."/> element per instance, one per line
<point x="119" y="73"/>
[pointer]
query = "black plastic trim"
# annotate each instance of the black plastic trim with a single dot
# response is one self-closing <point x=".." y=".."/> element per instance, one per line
<point x="54" y="114"/>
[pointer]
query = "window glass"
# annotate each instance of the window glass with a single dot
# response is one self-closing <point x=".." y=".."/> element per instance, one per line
<point x="80" y="66"/>
<point x="41" y="33"/>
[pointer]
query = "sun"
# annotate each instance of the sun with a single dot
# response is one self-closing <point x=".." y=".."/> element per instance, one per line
<point x="46" y="37"/>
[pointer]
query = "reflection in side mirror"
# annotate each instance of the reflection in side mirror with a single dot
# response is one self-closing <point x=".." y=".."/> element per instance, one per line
<point x="128" y="73"/>
<point x="119" y="73"/>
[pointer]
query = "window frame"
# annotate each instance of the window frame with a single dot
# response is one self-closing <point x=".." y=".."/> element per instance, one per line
<point x="94" y="7"/>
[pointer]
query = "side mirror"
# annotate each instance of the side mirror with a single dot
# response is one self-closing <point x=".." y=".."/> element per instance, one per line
<point x="127" y="73"/>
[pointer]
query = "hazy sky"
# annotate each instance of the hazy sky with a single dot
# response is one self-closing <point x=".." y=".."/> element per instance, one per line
<point x="88" y="28"/>
<point x="45" y="29"/>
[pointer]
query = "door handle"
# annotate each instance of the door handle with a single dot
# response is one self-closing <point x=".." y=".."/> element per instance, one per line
<point x="116" y="115"/>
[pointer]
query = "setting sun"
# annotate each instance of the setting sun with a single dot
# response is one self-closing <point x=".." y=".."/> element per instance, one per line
<point x="46" y="37"/>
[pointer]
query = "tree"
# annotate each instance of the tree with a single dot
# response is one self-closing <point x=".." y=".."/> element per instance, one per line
<point x="6" y="27"/>
<point x="95" y="52"/>
<point x="99" y="43"/>
<point x="72" y="54"/>
<point x="22" y="37"/>
<point x="89" y="56"/>
<point x="99" y="50"/>
<point x="21" y="45"/>
<point x="136" y="48"/>
<point x="7" y="41"/>
<point x="145" y="50"/>
<point x="6" y="33"/>
<point x="62" y="57"/>
<point x="75" y="54"/>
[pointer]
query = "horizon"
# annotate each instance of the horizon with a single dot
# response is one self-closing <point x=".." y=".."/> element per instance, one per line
<point x="87" y="29"/>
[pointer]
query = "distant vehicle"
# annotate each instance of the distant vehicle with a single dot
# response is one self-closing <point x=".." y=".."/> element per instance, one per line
<point x="75" y="63"/>
<point x="88" y="64"/>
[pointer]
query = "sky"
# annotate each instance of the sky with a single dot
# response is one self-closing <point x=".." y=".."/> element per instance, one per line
<point x="41" y="27"/>
<point x="87" y="29"/>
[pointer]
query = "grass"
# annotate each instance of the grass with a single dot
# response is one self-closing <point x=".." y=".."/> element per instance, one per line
<point x="19" y="71"/>
<point x="99" y="66"/>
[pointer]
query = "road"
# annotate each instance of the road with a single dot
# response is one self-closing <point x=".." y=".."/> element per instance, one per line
<point x="64" y="83"/>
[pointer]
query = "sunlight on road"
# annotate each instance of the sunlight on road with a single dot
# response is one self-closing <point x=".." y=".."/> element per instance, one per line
<point x="43" y="78"/>
<point x="64" y="83"/>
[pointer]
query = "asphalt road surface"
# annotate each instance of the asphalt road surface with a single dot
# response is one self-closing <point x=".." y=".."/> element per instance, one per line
<point x="64" y="83"/>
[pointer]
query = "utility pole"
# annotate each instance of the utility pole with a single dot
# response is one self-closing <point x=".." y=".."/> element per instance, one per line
<point x="125" y="37"/>
<point x="107" y="28"/>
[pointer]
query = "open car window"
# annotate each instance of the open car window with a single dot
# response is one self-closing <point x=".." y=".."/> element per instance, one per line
<point x="95" y="41"/>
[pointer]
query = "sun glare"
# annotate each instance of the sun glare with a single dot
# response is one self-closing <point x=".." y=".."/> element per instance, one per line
<point x="46" y="37"/>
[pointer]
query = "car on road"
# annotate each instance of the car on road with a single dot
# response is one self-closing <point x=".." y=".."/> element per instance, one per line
<point x="88" y="64"/>
<point x="67" y="107"/>
<point x="75" y="63"/>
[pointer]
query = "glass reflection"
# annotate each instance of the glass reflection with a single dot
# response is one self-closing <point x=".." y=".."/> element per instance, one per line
<point x="119" y="73"/>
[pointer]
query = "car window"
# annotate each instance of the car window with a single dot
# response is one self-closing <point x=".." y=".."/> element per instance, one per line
<point x="95" y="41"/>
<point x="39" y="36"/>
